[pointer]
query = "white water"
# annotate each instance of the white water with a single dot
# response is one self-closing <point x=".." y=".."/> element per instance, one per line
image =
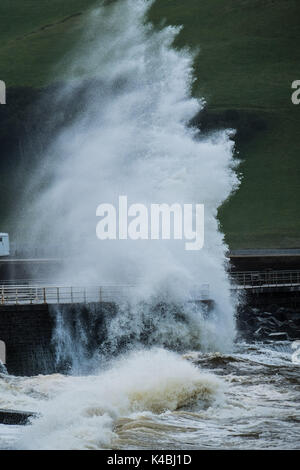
<point x="155" y="399"/>
<point x="145" y="383"/>
<point x="131" y="137"/>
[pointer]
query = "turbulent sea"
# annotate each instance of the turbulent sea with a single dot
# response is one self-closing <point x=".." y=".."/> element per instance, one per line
<point x="156" y="399"/>
<point x="121" y="125"/>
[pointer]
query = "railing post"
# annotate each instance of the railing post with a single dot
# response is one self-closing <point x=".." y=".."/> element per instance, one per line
<point x="44" y="295"/>
<point x="71" y="295"/>
<point x="2" y="295"/>
<point x="16" y="296"/>
<point x="57" y="292"/>
<point x="100" y="294"/>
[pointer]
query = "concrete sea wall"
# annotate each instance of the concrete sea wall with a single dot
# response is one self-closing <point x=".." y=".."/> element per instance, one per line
<point x="27" y="331"/>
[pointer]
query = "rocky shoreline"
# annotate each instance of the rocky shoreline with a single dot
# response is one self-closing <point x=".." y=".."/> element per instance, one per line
<point x="272" y="323"/>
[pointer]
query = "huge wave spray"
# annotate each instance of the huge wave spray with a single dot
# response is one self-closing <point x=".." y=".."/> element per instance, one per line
<point x="126" y="108"/>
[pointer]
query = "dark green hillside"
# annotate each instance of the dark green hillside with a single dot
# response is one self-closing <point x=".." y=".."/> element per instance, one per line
<point x="248" y="57"/>
<point x="34" y="35"/>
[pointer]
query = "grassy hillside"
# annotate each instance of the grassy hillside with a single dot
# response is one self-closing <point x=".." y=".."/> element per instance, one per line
<point x="249" y="56"/>
<point x="34" y="35"/>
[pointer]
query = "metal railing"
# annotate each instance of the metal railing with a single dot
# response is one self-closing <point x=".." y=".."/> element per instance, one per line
<point x="252" y="279"/>
<point x="35" y="292"/>
<point x="20" y="294"/>
<point x="12" y="294"/>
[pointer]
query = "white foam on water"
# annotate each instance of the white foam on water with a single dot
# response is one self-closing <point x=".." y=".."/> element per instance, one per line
<point x="85" y="412"/>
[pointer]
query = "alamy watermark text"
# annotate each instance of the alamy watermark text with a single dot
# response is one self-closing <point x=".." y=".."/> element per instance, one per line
<point x="2" y="92"/>
<point x="162" y="221"/>
<point x="296" y="94"/>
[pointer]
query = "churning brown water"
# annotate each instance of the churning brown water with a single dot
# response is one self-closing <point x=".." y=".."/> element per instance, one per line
<point x="156" y="399"/>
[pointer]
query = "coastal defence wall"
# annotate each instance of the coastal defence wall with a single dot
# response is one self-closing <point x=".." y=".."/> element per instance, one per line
<point x="41" y="268"/>
<point x="264" y="260"/>
<point x="28" y="333"/>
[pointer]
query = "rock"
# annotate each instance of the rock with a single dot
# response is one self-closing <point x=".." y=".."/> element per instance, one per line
<point x="272" y="308"/>
<point x="267" y="314"/>
<point x="279" y="336"/>
<point x="276" y="322"/>
<point x="260" y="332"/>
<point x="16" y="417"/>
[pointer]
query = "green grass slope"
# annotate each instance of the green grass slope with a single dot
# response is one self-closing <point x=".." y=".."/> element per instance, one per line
<point x="34" y="35"/>
<point x="248" y="57"/>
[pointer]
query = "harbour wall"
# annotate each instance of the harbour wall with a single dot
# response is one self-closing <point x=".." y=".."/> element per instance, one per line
<point x="28" y="330"/>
